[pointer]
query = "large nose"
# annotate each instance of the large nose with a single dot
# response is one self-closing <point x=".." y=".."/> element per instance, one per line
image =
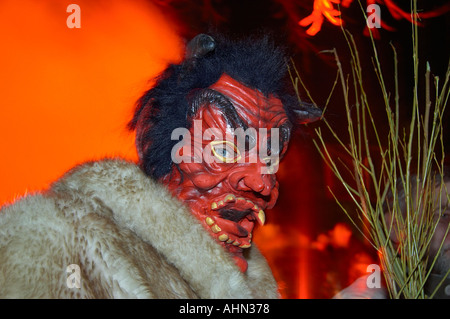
<point x="250" y="178"/>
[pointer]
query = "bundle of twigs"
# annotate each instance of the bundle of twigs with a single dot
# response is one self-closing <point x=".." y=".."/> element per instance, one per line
<point x="407" y="157"/>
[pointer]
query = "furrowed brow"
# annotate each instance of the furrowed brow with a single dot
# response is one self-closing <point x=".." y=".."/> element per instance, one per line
<point x="209" y="96"/>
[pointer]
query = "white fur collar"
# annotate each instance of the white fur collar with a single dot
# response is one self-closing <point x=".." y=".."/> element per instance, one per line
<point x="146" y="207"/>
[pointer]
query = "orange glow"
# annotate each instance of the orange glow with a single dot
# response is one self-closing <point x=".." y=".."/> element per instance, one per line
<point x="304" y="272"/>
<point x="67" y="94"/>
<point x="322" y="8"/>
<point x="358" y="266"/>
<point x="338" y="237"/>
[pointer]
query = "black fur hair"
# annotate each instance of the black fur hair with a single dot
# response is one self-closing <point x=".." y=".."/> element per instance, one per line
<point x="255" y="62"/>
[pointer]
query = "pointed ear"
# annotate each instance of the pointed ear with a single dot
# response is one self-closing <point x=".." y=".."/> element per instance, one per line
<point x="307" y="113"/>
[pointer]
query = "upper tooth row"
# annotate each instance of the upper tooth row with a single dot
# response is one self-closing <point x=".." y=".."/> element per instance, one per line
<point x="231" y="198"/>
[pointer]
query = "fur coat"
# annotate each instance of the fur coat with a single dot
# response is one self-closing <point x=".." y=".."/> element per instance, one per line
<point x="129" y="237"/>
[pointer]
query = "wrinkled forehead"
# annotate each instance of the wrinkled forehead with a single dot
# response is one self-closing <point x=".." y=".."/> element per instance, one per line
<point x="252" y="106"/>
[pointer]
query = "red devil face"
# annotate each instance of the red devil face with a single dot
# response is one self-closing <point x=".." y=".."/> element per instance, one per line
<point x="227" y="179"/>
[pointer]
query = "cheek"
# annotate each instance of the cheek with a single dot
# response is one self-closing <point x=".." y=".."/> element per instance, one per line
<point x="205" y="181"/>
<point x="200" y="176"/>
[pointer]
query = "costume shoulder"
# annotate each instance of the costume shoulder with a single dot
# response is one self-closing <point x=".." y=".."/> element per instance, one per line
<point x="126" y="234"/>
<point x="65" y="242"/>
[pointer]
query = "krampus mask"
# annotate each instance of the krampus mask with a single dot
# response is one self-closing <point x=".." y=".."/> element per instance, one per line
<point x="213" y="130"/>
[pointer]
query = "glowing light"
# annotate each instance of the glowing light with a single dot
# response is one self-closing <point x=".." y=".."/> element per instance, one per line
<point x="322" y="8"/>
<point x="67" y="93"/>
<point x="304" y="273"/>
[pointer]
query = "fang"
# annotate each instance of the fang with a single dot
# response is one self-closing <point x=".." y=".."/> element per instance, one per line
<point x="261" y="217"/>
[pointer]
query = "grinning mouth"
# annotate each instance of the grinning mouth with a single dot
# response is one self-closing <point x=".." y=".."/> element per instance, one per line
<point x="233" y="214"/>
<point x="232" y="219"/>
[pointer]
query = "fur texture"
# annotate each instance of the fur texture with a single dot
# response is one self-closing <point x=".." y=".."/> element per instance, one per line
<point x="130" y="238"/>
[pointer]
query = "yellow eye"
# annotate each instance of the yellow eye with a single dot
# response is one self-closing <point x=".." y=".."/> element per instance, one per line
<point x="225" y="151"/>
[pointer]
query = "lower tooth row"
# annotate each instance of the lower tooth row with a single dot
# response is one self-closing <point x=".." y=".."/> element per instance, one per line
<point x="228" y="240"/>
<point x="224" y="237"/>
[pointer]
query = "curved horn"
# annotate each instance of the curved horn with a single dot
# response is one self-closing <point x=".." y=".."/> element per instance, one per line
<point x="307" y="113"/>
<point x="199" y="46"/>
